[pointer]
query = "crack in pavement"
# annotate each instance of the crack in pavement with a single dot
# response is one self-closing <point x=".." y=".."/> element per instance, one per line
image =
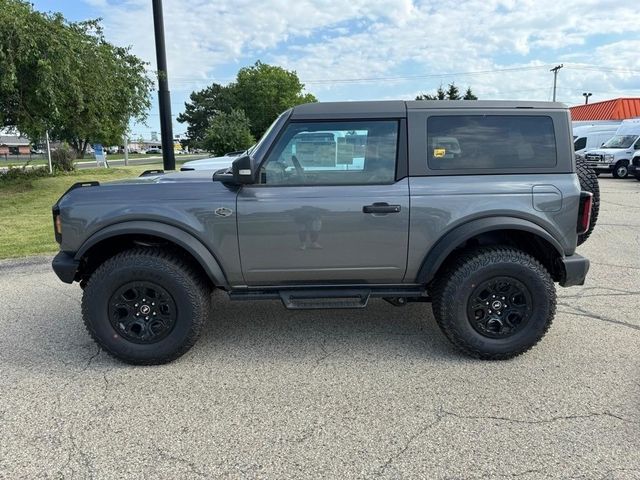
<point x="616" y="266"/>
<point x="444" y="413"/>
<point x="583" y="312"/>
<point x="408" y="443"/>
<point x="189" y="464"/>
<point x="543" y="420"/>
<point x="91" y="359"/>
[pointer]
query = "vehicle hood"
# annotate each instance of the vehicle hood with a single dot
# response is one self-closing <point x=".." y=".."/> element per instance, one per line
<point x="213" y="163"/>
<point x="172" y="177"/>
<point x="608" y="151"/>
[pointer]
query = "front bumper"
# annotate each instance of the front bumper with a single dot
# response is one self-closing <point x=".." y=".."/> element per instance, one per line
<point x="65" y="267"/>
<point x="601" y="166"/>
<point x="575" y="269"/>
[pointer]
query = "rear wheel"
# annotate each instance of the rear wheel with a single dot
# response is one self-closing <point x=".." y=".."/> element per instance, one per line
<point x="589" y="183"/>
<point x="145" y="306"/>
<point x="494" y="303"/>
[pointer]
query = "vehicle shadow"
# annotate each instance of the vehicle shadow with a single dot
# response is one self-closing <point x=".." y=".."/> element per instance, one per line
<point x="265" y="329"/>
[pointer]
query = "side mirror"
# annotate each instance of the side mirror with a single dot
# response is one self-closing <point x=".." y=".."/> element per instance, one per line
<point x="242" y="170"/>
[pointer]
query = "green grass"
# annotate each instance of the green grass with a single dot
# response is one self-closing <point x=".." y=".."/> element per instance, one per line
<point x="26" y="226"/>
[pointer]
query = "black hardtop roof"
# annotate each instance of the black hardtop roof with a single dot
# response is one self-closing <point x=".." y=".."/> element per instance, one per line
<point x="395" y="108"/>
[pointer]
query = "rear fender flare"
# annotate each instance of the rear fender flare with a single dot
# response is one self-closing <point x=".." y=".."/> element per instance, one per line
<point x="460" y="234"/>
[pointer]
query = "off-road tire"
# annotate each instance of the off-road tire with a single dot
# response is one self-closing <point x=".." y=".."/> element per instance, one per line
<point x="453" y="289"/>
<point x="589" y="183"/>
<point x="188" y="289"/>
<point x="620" y="170"/>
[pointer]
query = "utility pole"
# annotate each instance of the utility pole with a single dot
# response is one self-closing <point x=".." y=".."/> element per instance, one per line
<point x="164" y="98"/>
<point x="49" y="152"/>
<point x="586" y="97"/>
<point x="126" y="150"/>
<point x="555" y="78"/>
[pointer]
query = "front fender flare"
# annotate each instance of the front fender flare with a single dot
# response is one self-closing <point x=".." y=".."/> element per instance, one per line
<point x="167" y="232"/>
<point x="460" y="234"/>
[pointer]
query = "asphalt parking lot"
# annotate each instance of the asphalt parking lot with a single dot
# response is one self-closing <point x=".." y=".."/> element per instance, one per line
<point x="271" y="393"/>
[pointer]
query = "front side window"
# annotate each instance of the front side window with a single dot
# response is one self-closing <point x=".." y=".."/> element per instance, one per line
<point x="333" y="153"/>
<point x="472" y="142"/>
<point x="580" y="143"/>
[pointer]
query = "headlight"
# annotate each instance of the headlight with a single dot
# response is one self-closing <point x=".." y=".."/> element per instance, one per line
<point x="608" y="157"/>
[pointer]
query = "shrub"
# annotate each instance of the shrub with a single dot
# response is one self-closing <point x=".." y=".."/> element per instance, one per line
<point x="20" y="174"/>
<point x="62" y="159"/>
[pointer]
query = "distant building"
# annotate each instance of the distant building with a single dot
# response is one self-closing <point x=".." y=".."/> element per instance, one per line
<point x="14" y="144"/>
<point x="616" y="109"/>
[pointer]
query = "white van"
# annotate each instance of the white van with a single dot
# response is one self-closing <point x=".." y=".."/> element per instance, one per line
<point x="588" y="137"/>
<point x="616" y="153"/>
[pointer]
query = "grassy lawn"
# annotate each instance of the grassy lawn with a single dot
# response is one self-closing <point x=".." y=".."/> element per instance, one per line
<point x="26" y="226"/>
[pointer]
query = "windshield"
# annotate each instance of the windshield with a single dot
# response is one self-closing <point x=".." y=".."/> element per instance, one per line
<point x="264" y="135"/>
<point x="620" y="141"/>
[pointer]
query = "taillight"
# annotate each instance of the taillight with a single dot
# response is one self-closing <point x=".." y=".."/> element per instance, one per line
<point x="57" y="224"/>
<point x="584" y="212"/>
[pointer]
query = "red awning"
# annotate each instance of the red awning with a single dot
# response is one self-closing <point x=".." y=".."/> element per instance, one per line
<point x="616" y="109"/>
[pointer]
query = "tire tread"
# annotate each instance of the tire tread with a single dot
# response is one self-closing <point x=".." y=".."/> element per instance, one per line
<point x="172" y="264"/>
<point x="464" y="266"/>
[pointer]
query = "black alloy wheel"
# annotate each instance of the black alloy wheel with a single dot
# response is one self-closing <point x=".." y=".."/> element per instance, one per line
<point x="142" y="312"/>
<point x="500" y="307"/>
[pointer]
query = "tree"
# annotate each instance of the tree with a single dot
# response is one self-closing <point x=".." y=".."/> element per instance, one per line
<point x="202" y="109"/>
<point x="452" y="93"/>
<point x="65" y="77"/>
<point x="228" y="132"/>
<point x="440" y="95"/>
<point x="261" y="91"/>
<point x="468" y="95"/>
<point x="265" y="91"/>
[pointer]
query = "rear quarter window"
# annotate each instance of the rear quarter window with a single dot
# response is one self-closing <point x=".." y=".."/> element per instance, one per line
<point x="490" y="142"/>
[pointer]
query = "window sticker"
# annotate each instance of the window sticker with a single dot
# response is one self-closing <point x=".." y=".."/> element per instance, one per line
<point x="439" y="152"/>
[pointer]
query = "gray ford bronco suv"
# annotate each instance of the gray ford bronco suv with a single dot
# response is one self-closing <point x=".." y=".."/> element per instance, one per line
<point x="476" y="207"/>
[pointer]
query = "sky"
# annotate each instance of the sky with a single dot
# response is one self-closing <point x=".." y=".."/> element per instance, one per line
<point x="384" y="49"/>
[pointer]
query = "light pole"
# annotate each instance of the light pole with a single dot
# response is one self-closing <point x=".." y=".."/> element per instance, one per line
<point x="164" y="98"/>
<point x="586" y="96"/>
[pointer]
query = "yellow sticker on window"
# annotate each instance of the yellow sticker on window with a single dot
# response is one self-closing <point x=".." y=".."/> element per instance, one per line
<point x="439" y="152"/>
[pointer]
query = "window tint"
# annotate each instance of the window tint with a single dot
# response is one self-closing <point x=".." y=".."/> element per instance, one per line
<point x="580" y="143"/>
<point x="333" y="153"/>
<point x="490" y="142"/>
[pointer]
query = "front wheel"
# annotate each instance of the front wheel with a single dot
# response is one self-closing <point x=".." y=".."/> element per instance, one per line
<point x="620" y="170"/>
<point x="145" y="306"/>
<point x="494" y="303"/>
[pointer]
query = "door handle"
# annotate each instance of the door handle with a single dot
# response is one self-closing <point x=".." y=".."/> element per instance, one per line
<point x="381" y="207"/>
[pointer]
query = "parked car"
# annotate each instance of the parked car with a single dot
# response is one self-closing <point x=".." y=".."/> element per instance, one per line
<point x="616" y="153"/>
<point x="589" y="137"/>
<point x="634" y="168"/>
<point x="154" y="151"/>
<point x="212" y="163"/>
<point x="483" y="234"/>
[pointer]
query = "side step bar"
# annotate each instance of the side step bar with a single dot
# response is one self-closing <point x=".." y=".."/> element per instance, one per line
<point x="332" y="298"/>
<point x="313" y="300"/>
